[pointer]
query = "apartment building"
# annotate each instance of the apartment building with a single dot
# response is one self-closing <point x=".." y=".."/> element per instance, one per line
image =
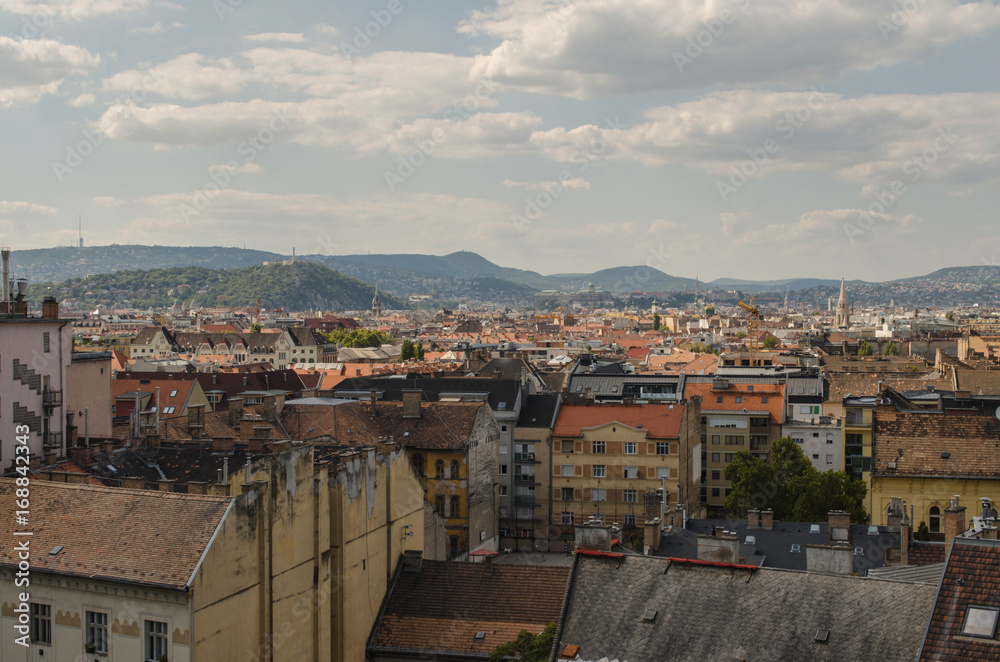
<point x="617" y="462"/>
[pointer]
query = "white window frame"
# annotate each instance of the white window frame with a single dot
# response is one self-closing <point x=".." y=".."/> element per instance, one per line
<point x="567" y="471"/>
<point x="631" y="472"/>
<point x="598" y="491"/>
<point x="629" y="496"/>
<point x="598" y="471"/>
<point x="631" y="448"/>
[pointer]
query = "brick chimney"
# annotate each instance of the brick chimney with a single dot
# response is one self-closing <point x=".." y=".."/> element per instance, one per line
<point x="767" y="519"/>
<point x="839" y="527"/>
<point x="412" y="560"/>
<point x="904" y="538"/>
<point x="954" y="521"/>
<point x="896" y="514"/>
<point x="166" y="484"/>
<point x="411" y="403"/>
<point x="133" y="483"/>
<point x="373" y="398"/>
<point x="235" y="412"/>
<point x="50" y="308"/>
<point x="196" y="420"/>
<point x="753" y="519"/>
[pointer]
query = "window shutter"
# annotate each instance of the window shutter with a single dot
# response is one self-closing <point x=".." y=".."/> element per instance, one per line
<point x="579" y="469"/>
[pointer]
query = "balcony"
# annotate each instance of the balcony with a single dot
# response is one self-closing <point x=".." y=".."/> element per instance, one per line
<point x="52" y="440"/>
<point x="524" y="478"/>
<point x="524" y="500"/>
<point x="857" y="419"/>
<point x="524" y="457"/>
<point x="759" y="429"/>
<point x="51" y="398"/>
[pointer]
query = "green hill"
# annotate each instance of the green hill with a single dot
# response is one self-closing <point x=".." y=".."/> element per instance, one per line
<point x="296" y="287"/>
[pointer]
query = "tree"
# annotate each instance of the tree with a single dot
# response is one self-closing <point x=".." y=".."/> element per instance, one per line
<point x="527" y="647"/>
<point x="864" y="349"/>
<point x="418" y="351"/>
<point x="770" y="342"/>
<point x="358" y="338"/>
<point x="791" y="487"/>
<point x="923" y="532"/>
<point x="255" y="328"/>
<point x="890" y="349"/>
<point x="950" y="316"/>
<point x="656" y="321"/>
<point x="741" y="335"/>
<point x="406" y="351"/>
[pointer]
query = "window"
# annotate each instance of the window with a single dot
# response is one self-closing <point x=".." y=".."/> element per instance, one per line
<point x="567" y="470"/>
<point x="980" y="621"/>
<point x="173" y="394"/>
<point x="829" y="460"/>
<point x="729" y="457"/>
<point x="597" y="494"/>
<point x="631" y="472"/>
<point x="503" y="449"/>
<point x="525" y="533"/>
<point x="567" y="518"/>
<point x="662" y="448"/>
<point x="45" y="342"/>
<point x="628" y="496"/>
<point x="41" y="621"/>
<point x="505" y="532"/>
<point x="815" y="456"/>
<point x="456" y="509"/>
<point x="829" y="440"/>
<point x="455" y="471"/>
<point x="630" y="448"/>
<point x="630" y="520"/>
<point x="598" y="447"/>
<point x="567" y="494"/>
<point x="567" y="446"/>
<point x="662" y="472"/>
<point x="935" y="520"/>
<point x="418" y="464"/>
<point x="503" y="490"/>
<point x="439" y="504"/>
<point x="763" y="399"/>
<point x="718" y="399"/>
<point x="739" y="399"/>
<point x="439" y="469"/>
<point x="97" y="631"/>
<point x="598" y="471"/>
<point x="715" y="439"/>
<point x="503" y="469"/>
<point x="715" y="457"/>
<point x="734" y="440"/>
<point x="156" y="640"/>
<point x="715" y="491"/>
<point x="716" y="475"/>
<point x="503" y="428"/>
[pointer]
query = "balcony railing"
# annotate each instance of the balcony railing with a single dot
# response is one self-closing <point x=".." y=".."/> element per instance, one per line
<point x="524" y="457"/>
<point x="52" y="439"/>
<point x="524" y="500"/>
<point x="524" y="478"/>
<point x="857" y="420"/>
<point x="52" y="398"/>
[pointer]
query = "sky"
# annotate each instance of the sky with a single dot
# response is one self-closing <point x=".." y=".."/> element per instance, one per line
<point x="755" y="139"/>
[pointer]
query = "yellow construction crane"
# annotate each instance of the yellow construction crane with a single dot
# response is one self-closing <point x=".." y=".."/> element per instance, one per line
<point x="754" y="327"/>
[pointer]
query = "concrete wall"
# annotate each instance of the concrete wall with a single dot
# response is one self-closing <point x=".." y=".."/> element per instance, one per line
<point x="88" y="386"/>
<point x="838" y="559"/>
<point x="720" y="549"/>
<point x="483" y="461"/>
<point x="26" y="367"/>
<point x="69" y="599"/>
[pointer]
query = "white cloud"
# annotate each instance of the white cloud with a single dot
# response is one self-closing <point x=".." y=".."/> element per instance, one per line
<point x="31" y="68"/>
<point x="288" y="37"/>
<point x="579" y="183"/>
<point x="191" y="76"/>
<point x="661" y="225"/>
<point x="611" y="229"/>
<point x="19" y="209"/>
<point x="83" y="100"/>
<point x="158" y="28"/>
<point x="107" y="201"/>
<point x="588" y="48"/>
<point x="872" y="139"/>
<point x="73" y="9"/>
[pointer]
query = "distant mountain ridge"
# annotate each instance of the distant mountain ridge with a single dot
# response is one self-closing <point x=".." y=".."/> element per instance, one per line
<point x="469" y="275"/>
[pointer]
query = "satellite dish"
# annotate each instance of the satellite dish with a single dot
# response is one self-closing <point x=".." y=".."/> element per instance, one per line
<point x="997" y="413"/>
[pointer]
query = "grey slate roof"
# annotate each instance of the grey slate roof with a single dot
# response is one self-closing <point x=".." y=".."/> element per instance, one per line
<point x="720" y="613"/>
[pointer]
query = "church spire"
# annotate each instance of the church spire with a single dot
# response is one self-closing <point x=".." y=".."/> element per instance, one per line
<point x="843" y="319"/>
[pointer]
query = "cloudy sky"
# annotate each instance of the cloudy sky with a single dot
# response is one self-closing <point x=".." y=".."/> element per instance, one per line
<point x="718" y="138"/>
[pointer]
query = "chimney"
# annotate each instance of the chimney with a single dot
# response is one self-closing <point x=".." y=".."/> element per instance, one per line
<point x="133" y="483"/>
<point x="235" y="412"/>
<point x="767" y="519"/>
<point x="839" y="527"/>
<point x="412" y="560"/>
<point x="896" y="514"/>
<point x="373" y="395"/>
<point x="197" y="487"/>
<point x="753" y="519"/>
<point x="270" y="408"/>
<point x="904" y="538"/>
<point x="411" y="403"/>
<point x="50" y="308"/>
<point x="488" y="562"/>
<point x="954" y="521"/>
<point x="196" y="420"/>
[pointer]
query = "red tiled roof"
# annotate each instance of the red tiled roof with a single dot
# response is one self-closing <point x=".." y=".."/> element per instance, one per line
<point x="133" y="536"/>
<point x="659" y="421"/>
<point x="443" y="606"/>
<point x="751" y="400"/>
<point x="915" y="442"/>
<point x="971" y="578"/>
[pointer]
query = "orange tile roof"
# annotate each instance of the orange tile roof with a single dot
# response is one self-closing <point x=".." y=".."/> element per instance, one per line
<point x="132" y="536"/>
<point x="750" y="400"/>
<point x="659" y="421"/>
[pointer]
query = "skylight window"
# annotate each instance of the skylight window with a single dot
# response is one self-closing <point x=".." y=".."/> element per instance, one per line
<point x="980" y="621"/>
<point x="796" y="548"/>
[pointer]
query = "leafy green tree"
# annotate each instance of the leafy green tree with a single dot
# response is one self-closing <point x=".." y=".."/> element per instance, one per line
<point x="890" y="349"/>
<point x="770" y="342"/>
<point x="950" y="316"/>
<point x="923" y="532"/>
<point x="527" y="647"/>
<point x="406" y="352"/>
<point x="358" y="338"/>
<point x="656" y="321"/>
<point x="418" y="351"/>
<point x="741" y="335"/>
<point x="255" y="328"/>
<point x="791" y="487"/>
<point x="864" y="349"/>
